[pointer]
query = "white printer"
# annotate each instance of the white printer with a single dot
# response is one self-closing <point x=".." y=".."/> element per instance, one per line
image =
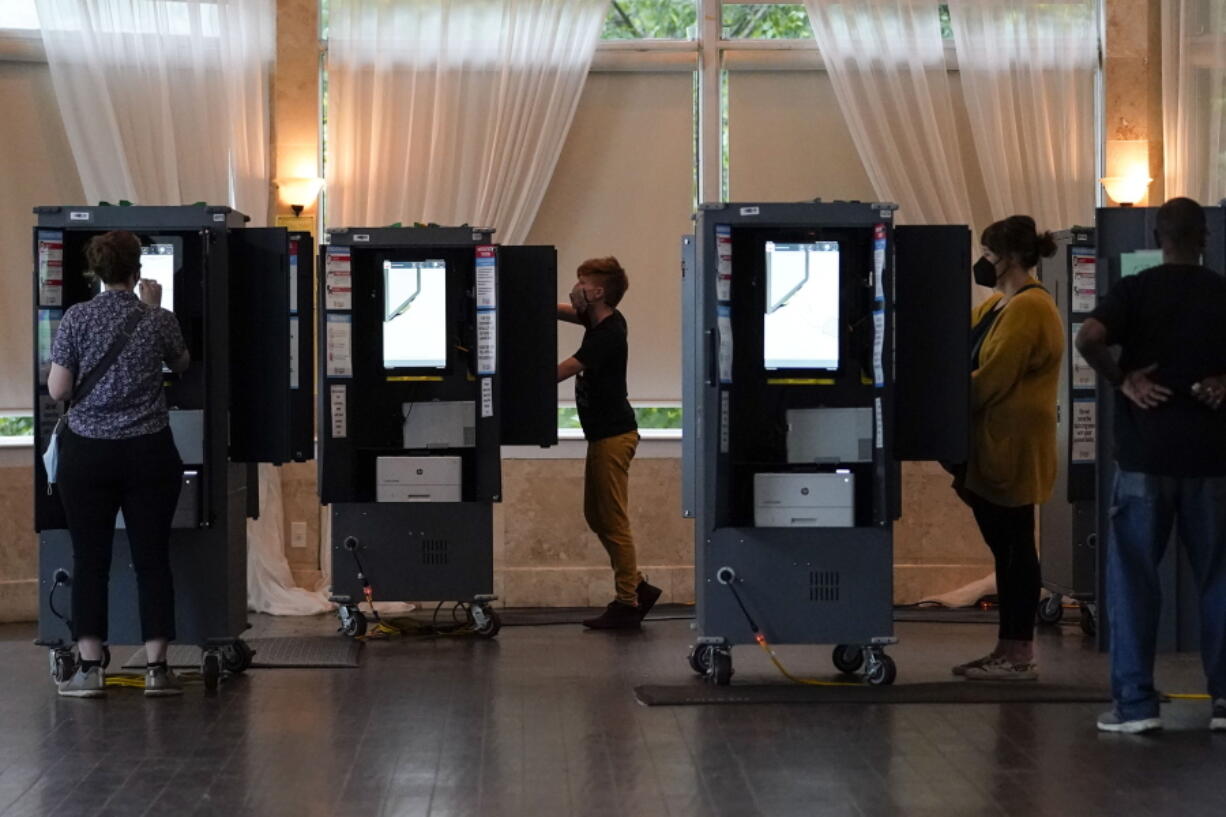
<point x="417" y="479"/>
<point x="804" y="500"/>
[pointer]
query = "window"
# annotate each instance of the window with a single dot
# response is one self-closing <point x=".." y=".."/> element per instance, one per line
<point x="18" y="14"/>
<point x="650" y="418"/>
<point x="765" y="21"/>
<point x="651" y="20"/>
<point x="16" y="425"/>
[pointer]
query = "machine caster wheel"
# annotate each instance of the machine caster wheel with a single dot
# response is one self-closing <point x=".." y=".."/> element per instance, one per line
<point x="1051" y="609"/>
<point x="700" y="659"/>
<point x="353" y="622"/>
<point x="847" y="659"/>
<point x="1089" y="620"/>
<point x="485" y="622"/>
<point x="720" y="673"/>
<point x="210" y="670"/>
<point x="63" y="664"/>
<point x="882" y="671"/>
<point x="237" y="657"/>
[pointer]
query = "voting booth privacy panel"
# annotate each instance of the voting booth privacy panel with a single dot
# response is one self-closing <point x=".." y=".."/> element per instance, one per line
<point x="1126" y="245"/>
<point x="823" y="346"/>
<point x="436" y="348"/>
<point x="243" y="299"/>
<point x="1068" y="537"/>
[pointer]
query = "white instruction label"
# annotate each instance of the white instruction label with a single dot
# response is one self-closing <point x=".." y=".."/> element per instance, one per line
<point x="1085" y="431"/>
<point x="51" y="269"/>
<point x="723" y="271"/>
<point x="293" y="277"/>
<point x="1085" y="281"/>
<point x="48" y="326"/>
<point x="879" y="248"/>
<point x="293" y="352"/>
<point x="339" y="411"/>
<point x="487" y="278"/>
<point x="723" y="324"/>
<point x="487" y="397"/>
<point x="879" y="412"/>
<point x="338" y="279"/>
<point x="339" y="346"/>
<point x="487" y="343"/>
<point x="1083" y="373"/>
<point x="879" y="348"/>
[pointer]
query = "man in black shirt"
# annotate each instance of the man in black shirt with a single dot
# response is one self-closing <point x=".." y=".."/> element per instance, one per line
<point x="1170" y="443"/>
<point x="599" y="369"/>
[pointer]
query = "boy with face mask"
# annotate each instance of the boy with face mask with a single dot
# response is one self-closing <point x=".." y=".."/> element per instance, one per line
<point x="609" y="425"/>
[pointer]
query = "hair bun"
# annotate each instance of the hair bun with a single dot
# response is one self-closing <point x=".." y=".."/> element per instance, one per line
<point x="1046" y="244"/>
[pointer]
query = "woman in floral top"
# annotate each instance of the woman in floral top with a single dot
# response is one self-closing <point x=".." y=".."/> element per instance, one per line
<point x="117" y="453"/>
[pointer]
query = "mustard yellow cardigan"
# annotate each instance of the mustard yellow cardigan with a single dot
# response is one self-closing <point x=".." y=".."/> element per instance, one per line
<point x="1013" y="401"/>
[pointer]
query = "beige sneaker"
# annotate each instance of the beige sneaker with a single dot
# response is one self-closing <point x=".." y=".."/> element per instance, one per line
<point x="961" y="669"/>
<point x="161" y="682"/>
<point x="998" y="669"/>
<point x="89" y="683"/>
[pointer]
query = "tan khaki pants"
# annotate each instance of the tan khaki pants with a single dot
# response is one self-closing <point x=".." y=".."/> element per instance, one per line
<point x="606" y="497"/>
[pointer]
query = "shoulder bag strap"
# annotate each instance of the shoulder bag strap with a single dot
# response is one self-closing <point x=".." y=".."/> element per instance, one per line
<point x="108" y="360"/>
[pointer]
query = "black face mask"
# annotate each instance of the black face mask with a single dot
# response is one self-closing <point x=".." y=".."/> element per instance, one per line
<point x="985" y="273"/>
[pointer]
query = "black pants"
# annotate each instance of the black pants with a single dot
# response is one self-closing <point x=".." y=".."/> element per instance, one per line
<point x="1009" y="533"/>
<point x="142" y="477"/>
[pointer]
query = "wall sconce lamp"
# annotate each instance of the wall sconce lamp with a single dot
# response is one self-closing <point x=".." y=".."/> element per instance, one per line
<point x="1127" y="178"/>
<point x="299" y="192"/>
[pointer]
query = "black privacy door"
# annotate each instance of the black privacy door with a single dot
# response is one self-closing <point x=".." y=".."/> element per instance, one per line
<point x="260" y="395"/>
<point x="528" y="336"/>
<point x="932" y="307"/>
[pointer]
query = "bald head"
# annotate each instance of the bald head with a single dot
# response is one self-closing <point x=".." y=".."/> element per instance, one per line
<point x="1181" y="227"/>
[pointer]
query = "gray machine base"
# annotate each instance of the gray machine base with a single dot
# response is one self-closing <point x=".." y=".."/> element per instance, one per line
<point x="801" y="585"/>
<point x="414" y="551"/>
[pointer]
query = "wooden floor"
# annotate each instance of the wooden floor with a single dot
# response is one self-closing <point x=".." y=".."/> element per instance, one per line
<point x="543" y="722"/>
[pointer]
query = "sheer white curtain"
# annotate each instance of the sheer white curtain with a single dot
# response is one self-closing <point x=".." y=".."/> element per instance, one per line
<point x="886" y="60"/>
<point x="452" y="111"/>
<point x="167" y="102"/>
<point x="1194" y="98"/>
<point x="1027" y="69"/>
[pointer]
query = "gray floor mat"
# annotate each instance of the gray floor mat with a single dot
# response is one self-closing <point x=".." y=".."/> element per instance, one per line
<point x="697" y="693"/>
<point x="272" y="653"/>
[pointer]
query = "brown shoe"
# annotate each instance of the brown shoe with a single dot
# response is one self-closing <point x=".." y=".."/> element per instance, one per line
<point x="648" y="595"/>
<point x="617" y="616"/>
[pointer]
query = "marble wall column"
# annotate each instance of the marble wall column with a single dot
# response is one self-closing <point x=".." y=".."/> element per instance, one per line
<point x="1132" y="69"/>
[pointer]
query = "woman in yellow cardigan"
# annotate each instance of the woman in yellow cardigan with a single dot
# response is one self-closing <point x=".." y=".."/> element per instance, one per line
<point x="1017" y="344"/>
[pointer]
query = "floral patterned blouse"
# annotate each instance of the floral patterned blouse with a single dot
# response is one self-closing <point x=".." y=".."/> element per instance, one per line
<point x="129" y="400"/>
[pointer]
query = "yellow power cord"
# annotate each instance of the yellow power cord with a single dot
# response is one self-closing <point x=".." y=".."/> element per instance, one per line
<point x="812" y="682"/>
<point x="135" y="681"/>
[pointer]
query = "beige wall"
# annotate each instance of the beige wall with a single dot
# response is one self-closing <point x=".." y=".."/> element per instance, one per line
<point x="624" y="186"/>
<point x="36" y="167"/>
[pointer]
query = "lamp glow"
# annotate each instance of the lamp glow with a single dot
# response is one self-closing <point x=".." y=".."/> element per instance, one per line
<point x="1127" y="179"/>
<point x="299" y="192"/>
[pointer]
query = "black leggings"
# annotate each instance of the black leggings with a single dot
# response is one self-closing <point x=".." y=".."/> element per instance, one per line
<point x="97" y="478"/>
<point x="1009" y="533"/>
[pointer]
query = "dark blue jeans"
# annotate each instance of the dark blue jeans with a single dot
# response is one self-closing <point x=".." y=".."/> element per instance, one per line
<point x="1144" y="510"/>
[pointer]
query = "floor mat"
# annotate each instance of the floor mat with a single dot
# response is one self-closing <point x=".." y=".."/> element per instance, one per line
<point x="544" y="616"/>
<point x="312" y="652"/>
<point x="697" y="693"/>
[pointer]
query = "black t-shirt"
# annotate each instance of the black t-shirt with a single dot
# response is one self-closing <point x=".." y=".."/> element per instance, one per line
<point x="600" y="389"/>
<point x="1173" y="315"/>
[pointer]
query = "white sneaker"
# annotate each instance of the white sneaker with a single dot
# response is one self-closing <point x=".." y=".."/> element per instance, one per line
<point x="1110" y="722"/>
<point x="1217" y="723"/>
<point x="89" y="683"/>
<point x="1000" y="669"/>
